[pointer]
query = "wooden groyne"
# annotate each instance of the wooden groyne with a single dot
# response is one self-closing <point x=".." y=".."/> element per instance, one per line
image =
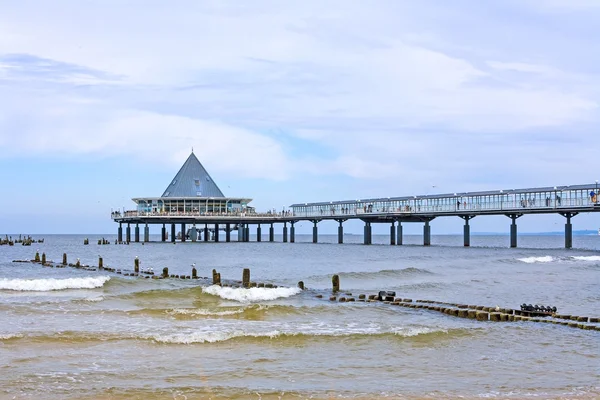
<point x="526" y="313"/>
<point x="22" y="240"/>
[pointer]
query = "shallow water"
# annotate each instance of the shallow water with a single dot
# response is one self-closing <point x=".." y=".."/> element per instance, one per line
<point x="67" y="333"/>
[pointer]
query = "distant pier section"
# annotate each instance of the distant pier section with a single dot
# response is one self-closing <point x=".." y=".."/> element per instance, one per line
<point x="194" y="202"/>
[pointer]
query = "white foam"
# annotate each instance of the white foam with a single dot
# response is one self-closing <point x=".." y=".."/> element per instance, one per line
<point x="531" y="260"/>
<point x="410" y="332"/>
<point x="214" y="336"/>
<point x="252" y="294"/>
<point x="210" y="337"/>
<point x="586" y="258"/>
<point x="200" y="311"/>
<point x="49" y="284"/>
<point x="6" y="336"/>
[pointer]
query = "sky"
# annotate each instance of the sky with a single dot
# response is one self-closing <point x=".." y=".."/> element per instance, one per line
<point x="296" y="101"/>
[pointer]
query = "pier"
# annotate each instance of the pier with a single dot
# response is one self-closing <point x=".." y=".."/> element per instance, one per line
<point x="194" y="203"/>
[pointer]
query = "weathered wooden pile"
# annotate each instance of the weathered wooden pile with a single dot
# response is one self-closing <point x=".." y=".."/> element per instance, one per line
<point x="23" y="240"/>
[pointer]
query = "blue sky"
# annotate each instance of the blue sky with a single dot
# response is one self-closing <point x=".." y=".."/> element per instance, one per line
<point x="294" y="101"/>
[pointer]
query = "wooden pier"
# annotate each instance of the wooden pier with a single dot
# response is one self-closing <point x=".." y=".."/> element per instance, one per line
<point x="185" y="204"/>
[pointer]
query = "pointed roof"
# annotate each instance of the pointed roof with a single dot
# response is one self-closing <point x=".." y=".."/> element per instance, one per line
<point x="192" y="180"/>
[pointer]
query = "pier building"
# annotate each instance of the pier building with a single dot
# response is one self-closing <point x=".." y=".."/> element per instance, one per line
<point x="192" y="199"/>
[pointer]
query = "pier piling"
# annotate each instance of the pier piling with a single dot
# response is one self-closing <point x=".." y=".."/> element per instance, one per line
<point x="399" y="234"/>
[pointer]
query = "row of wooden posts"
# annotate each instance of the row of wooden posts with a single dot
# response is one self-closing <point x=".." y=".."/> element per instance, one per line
<point x="479" y="313"/>
<point x="25" y="241"/>
<point x="476" y="312"/>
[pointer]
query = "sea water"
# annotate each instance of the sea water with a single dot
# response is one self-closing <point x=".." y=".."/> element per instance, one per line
<point x="74" y="334"/>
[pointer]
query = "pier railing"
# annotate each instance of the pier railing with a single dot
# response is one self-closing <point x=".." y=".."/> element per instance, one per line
<point x="197" y="214"/>
<point x="498" y="202"/>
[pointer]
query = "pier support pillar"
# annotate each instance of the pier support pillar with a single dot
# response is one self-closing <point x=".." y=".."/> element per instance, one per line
<point x="146" y="233"/>
<point x="568" y="230"/>
<point x="247" y="234"/>
<point x="241" y="230"/>
<point x="206" y="233"/>
<point x="285" y="232"/>
<point x="271" y="234"/>
<point x="128" y="234"/>
<point x="227" y="233"/>
<point x="367" y="237"/>
<point x="163" y="234"/>
<point x="513" y="228"/>
<point x="216" y="233"/>
<point x="120" y="233"/>
<point x="341" y="232"/>
<point x="315" y="232"/>
<point x="173" y="233"/>
<point x="399" y="234"/>
<point x="292" y="233"/>
<point x="427" y="234"/>
<point x="467" y="229"/>
<point x="393" y="234"/>
<point x="258" y="233"/>
<point x="183" y="232"/>
<point x="194" y="233"/>
<point x="137" y="233"/>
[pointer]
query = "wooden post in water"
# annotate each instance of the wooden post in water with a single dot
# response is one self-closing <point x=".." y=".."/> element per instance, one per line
<point x="301" y="285"/>
<point x="246" y="278"/>
<point x="136" y="265"/>
<point x="37" y="256"/>
<point x="43" y="258"/>
<point x="64" y="259"/>
<point x="335" y="283"/>
<point x="165" y="273"/>
<point x="216" y="277"/>
<point x="100" y="263"/>
<point x="194" y="273"/>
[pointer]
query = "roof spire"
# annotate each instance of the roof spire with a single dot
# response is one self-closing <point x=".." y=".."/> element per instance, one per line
<point x="192" y="149"/>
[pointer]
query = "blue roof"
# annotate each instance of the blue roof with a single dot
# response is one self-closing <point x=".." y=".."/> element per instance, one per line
<point x="192" y="180"/>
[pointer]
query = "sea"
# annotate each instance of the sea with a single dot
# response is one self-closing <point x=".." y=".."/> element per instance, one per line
<point x="68" y="333"/>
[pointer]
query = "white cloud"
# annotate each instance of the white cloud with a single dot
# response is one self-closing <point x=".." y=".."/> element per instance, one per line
<point x="350" y="77"/>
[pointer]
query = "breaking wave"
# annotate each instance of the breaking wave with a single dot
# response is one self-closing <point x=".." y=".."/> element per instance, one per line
<point x="586" y="258"/>
<point x="291" y="334"/>
<point x="252" y="294"/>
<point x="548" y="259"/>
<point x="214" y="337"/>
<point x="50" y="284"/>
<point x="531" y="260"/>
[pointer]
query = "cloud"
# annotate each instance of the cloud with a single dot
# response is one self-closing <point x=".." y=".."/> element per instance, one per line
<point x="397" y="88"/>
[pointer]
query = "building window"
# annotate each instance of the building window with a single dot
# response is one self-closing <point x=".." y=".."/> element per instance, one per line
<point x="197" y="182"/>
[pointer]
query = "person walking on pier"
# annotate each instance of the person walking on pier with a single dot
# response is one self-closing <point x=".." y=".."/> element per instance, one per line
<point x="593" y="196"/>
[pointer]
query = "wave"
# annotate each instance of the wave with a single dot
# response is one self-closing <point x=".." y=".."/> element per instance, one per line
<point x="51" y="284"/>
<point x="252" y="294"/>
<point x="548" y="259"/>
<point x="277" y="334"/>
<point x="531" y="260"/>
<point x="217" y="336"/>
<point x="411" y="271"/>
<point x="8" y="336"/>
<point x="204" y="312"/>
<point x="586" y="258"/>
